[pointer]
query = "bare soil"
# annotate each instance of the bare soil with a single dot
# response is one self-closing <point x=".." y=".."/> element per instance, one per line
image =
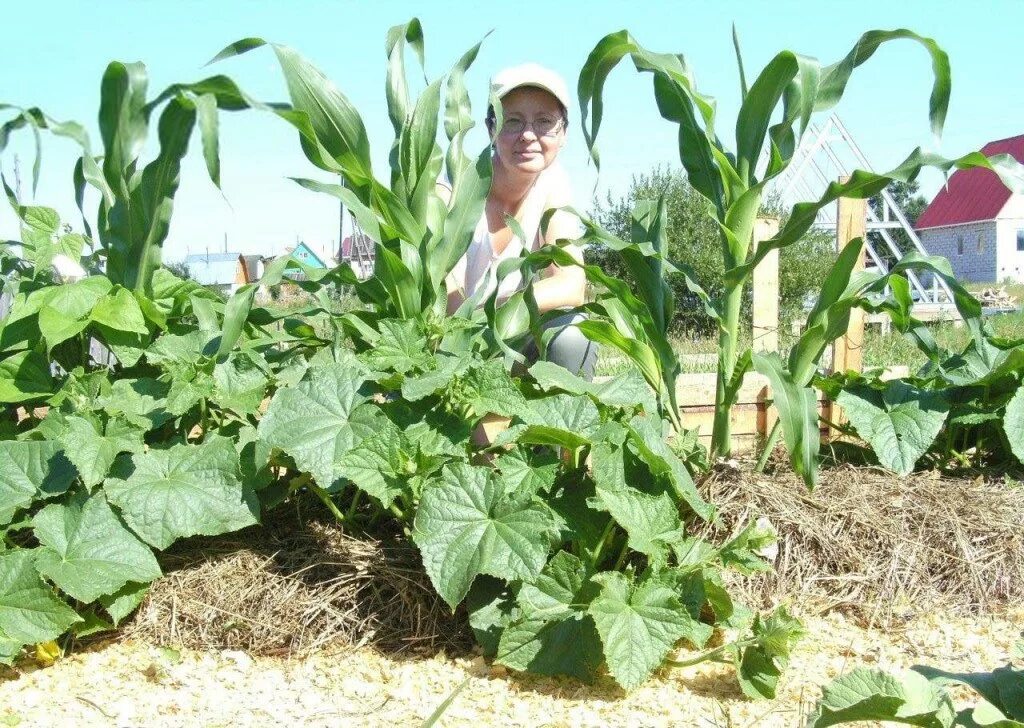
<point x="137" y="684"/>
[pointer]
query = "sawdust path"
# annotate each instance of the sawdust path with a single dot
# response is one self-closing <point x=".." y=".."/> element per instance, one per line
<point x="136" y="684"/>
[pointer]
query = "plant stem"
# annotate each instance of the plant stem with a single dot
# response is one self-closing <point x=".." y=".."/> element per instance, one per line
<point x="622" y="555"/>
<point x="769" y="447"/>
<point x="595" y="559"/>
<point x="326" y="499"/>
<point x="712" y="653"/>
<point x="352" y="506"/>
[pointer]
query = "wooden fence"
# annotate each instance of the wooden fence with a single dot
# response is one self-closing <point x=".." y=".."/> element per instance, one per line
<point x="753" y="416"/>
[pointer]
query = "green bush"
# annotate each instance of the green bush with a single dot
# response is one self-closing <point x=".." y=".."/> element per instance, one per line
<point x="694" y="239"/>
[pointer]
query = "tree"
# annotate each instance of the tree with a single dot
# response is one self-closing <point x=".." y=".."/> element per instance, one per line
<point x="694" y="239"/>
<point x="911" y="204"/>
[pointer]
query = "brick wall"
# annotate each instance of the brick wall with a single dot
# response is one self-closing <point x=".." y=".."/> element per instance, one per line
<point x="978" y="243"/>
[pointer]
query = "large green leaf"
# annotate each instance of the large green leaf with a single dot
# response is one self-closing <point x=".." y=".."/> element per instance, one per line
<point x="93" y="451"/>
<point x="120" y="311"/>
<point x="378" y="463"/>
<point x="1002" y="689"/>
<point x="141" y="402"/>
<point x="1013" y="423"/>
<point x="182" y="491"/>
<point x="466" y="526"/>
<point x="64" y="310"/>
<point x="647" y="440"/>
<point x="25" y="376"/>
<point x="401" y="347"/>
<point x="319" y="420"/>
<point x="863" y="695"/>
<point x="900" y="422"/>
<point x="651" y="522"/>
<point x="240" y="382"/>
<point x="554" y="634"/>
<point x="31" y="470"/>
<point x="622" y="390"/>
<point x="87" y="552"/>
<point x="638" y="624"/>
<point x="490" y="389"/>
<point x="29" y="610"/>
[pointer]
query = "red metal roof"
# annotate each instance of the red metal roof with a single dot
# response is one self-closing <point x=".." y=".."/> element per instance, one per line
<point x="972" y="195"/>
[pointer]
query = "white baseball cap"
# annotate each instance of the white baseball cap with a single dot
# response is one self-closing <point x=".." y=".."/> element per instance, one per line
<point x="530" y="74"/>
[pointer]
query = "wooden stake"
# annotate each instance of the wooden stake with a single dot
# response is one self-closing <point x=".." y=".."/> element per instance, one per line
<point x="766" y="290"/>
<point x="848" y="350"/>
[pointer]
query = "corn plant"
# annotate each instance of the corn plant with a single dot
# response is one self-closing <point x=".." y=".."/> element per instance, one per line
<point x="734" y="185"/>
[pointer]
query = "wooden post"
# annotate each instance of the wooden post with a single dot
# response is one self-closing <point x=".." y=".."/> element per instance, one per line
<point x="848" y="350"/>
<point x="766" y="290"/>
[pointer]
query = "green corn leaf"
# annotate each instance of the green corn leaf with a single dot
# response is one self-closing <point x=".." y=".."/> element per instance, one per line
<point x="123" y="121"/>
<point x="554" y="634"/>
<point x="638" y="624"/>
<point x="31" y="470"/>
<point x="835" y="77"/>
<point x="140" y="218"/>
<point x="601" y="332"/>
<point x="466" y="526"/>
<point x="798" y="413"/>
<point x="93" y="449"/>
<point x="206" y="114"/>
<point x="29" y="611"/>
<point x="182" y="491"/>
<point x="87" y="552"/>
<point x="900" y="422"/>
<point x="1013" y="424"/>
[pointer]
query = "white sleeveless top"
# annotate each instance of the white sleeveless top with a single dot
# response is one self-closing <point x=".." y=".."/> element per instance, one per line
<point x="477" y="269"/>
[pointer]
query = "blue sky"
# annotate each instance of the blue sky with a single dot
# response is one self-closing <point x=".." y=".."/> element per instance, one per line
<point x="55" y="53"/>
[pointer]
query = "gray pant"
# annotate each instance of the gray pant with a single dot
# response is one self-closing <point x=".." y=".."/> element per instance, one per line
<point x="569" y="348"/>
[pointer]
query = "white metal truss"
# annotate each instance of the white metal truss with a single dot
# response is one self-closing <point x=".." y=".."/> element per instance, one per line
<point x="828" y="152"/>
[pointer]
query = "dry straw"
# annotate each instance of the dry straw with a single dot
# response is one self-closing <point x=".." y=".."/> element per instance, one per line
<point x="293" y="586"/>
<point x="878" y="546"/>
<point x="875" y="546"/>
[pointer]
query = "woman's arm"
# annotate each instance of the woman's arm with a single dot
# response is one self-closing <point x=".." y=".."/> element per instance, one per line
<point x="561" y="287"/>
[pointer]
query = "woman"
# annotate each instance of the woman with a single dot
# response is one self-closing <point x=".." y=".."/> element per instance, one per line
<point x="527" y="181"/>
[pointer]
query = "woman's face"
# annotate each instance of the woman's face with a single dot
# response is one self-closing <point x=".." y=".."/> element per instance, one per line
<point x="530" y="150"/>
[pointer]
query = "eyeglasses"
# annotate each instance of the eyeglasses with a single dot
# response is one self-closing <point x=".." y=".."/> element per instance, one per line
<point x="541" y="127"/>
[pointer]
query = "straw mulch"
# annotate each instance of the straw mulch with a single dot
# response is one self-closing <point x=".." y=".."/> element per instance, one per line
<point x="877" y="546"/>
<point x="293" y="585"/>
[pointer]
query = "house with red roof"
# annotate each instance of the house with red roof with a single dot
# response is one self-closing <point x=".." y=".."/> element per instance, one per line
<point x="977" y="223"/>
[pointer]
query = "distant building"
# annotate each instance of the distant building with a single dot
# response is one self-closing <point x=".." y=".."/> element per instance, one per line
<point x="977" y="223"/>
<point x="219" y="270"/>
<point x="305" y="255"/>
<point x="358" y="251"/>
